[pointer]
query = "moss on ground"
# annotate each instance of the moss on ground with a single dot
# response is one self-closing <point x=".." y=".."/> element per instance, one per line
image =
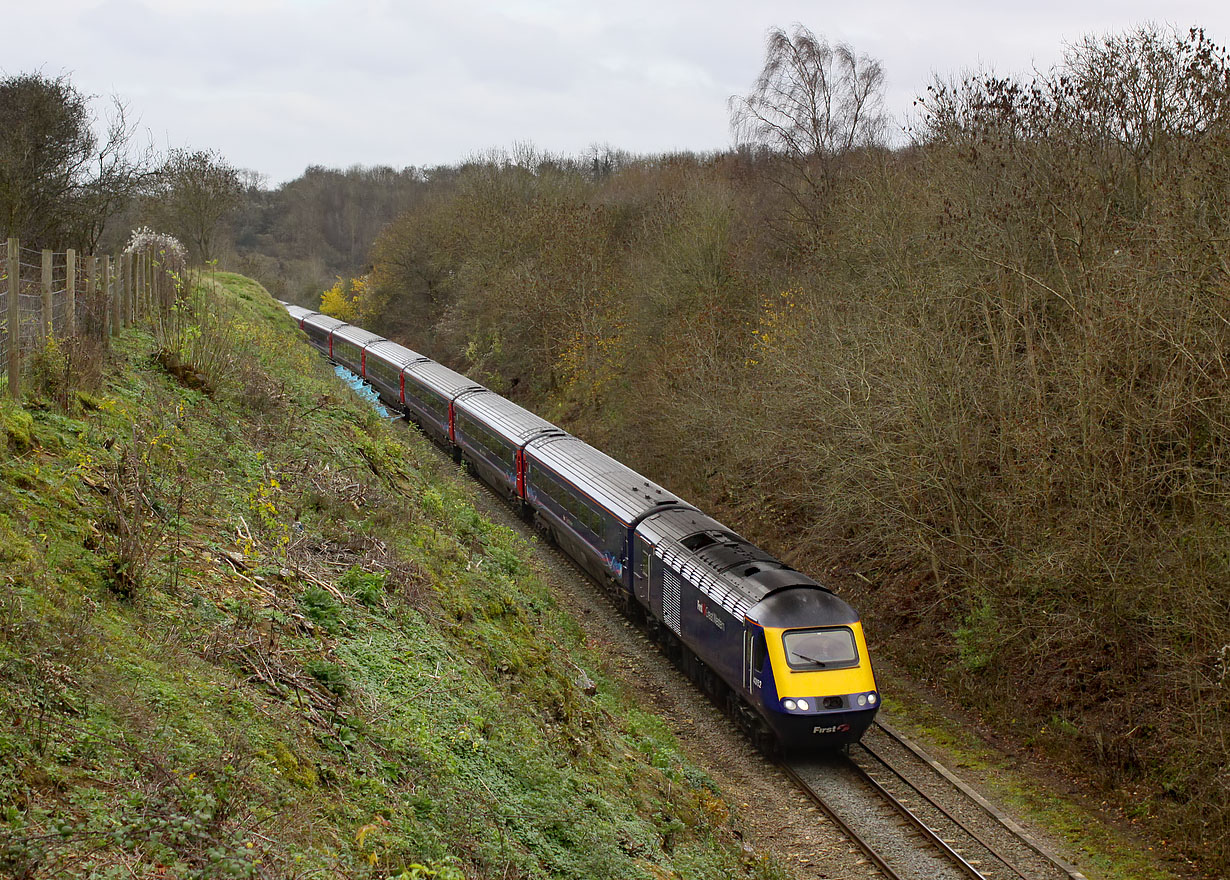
<point x="246" y="633"/>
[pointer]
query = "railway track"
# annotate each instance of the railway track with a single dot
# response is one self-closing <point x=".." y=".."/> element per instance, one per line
<point x="915" y="820"/>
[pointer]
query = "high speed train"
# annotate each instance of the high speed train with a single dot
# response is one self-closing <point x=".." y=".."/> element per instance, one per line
<point x="785" y="654"/>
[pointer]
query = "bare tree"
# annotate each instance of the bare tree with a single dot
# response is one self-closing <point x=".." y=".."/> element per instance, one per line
<point x="58" y="183"/>
<point x="812" y="99"/>
<point x="122" y="171"/>
<point x="812" y="105"/>
<point x="196" y="191"/>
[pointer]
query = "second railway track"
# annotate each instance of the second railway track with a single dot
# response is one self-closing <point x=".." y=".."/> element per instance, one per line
<point x="915" y="819"/>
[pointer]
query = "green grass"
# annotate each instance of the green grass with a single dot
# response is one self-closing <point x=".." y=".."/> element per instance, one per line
<point x="249" y="630"/>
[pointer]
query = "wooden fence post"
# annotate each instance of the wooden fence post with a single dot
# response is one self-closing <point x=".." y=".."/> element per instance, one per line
<point x="91" y="280"/>
<point x="70" y="287"/>
<point x="14" y="270"/>
<point x="117" y="303"/>
<point x="126" y="271"/>
<point x="46" y="328"/>
<point x="108" y="330"/>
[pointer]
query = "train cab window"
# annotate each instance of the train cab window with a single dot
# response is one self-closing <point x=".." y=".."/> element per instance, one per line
<point x="829" y="648"/>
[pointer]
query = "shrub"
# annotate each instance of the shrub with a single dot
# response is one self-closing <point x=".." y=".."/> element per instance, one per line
<point x="321" y="608"/>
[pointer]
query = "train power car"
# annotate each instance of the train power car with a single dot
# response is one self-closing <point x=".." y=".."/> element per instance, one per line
<point x="788" y="656"/>
<point x="778" y="642"/>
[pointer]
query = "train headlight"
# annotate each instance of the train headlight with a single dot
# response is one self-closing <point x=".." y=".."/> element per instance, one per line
<point x="862" y="699"/>
<point x="803" y="705"/>
<point x="789" y="704"/>
<point x="871" y="698"/>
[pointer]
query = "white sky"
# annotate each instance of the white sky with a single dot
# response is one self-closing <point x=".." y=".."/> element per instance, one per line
<point x="277" y="85"/>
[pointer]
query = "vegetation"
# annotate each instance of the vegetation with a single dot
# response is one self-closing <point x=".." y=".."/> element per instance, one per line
<point x="979" y="381"/>
<point x="298" y="238"/>
<point x="194" y="192"/>
<point x="251" y="630"/>
<point x="59" y="183"/>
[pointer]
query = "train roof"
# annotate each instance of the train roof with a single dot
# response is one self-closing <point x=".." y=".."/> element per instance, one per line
<point x="357" y="335"/>
<point x="803" y="606"/>
<point x="514" y="423"/>
<point x="298" y="312"/>
<point x="724" y="565"/>
<point x="394" y="353"/>
<point x="618" y="488"/>
<point x="440" y="379"/>
<point x="322" y="322"/>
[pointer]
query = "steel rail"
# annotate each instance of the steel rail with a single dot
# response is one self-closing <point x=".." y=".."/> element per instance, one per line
<point x="934" y="839"/>
<point x="990" y="848"/>
<point x="1021" y="834"/>
<point x="867" y="848"/>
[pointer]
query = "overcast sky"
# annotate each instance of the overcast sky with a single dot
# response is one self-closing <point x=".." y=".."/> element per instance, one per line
<point x="277" y="85"/>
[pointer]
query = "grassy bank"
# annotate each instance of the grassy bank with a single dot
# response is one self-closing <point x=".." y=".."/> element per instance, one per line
<point x="247" y="631"/>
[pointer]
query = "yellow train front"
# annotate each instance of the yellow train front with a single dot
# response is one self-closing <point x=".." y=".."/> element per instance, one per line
<point x="815" y="687"/>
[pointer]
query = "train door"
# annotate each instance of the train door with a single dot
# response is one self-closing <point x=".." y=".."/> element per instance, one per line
<point x="754" y="654"/>
<point x="642" y="553"/>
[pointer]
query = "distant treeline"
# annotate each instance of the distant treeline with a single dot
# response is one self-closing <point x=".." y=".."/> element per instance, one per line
<point x="297" y="239"/>
<point x="982" y="381"/>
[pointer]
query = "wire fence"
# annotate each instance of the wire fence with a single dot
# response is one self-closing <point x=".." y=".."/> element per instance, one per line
<point x="57" y="296"/>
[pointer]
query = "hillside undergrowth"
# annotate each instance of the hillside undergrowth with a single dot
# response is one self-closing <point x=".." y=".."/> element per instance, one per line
<point x="247" y="630"/>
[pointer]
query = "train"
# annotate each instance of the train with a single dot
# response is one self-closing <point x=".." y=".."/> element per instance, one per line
<point x="786" y="656"/>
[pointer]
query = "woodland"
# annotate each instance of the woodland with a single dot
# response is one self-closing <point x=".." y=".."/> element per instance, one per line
<point x="975" y="376"/>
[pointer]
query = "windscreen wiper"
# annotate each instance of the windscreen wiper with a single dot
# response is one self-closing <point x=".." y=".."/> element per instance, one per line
<point x="819" y="663"/>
